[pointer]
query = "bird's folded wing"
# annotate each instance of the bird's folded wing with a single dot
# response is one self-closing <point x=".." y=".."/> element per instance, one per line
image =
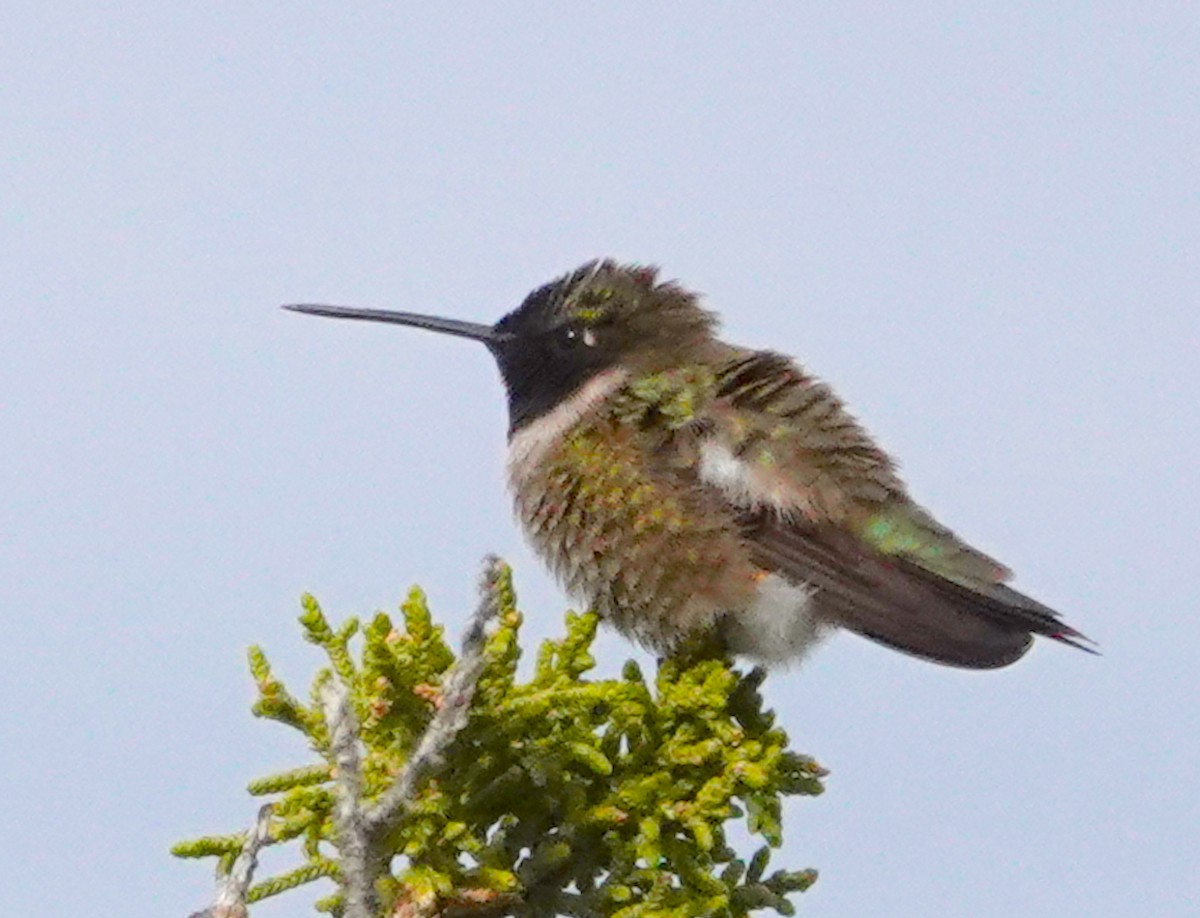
<point x="897" y="603"/>
<point x="821" y="505"/>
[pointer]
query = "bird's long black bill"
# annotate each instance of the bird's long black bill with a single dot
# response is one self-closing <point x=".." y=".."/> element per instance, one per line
<point x="475" y="330"/>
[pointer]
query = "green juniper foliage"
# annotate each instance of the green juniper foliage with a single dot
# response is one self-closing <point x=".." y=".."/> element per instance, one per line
<point x="561" y="796"/>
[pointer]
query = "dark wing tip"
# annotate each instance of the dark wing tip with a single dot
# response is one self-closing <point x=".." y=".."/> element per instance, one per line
<point x="1077" y="639"/>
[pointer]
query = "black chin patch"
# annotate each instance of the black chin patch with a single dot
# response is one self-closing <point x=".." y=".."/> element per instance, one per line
<point x="540" y="373"/>
<point x="546" y="355"/>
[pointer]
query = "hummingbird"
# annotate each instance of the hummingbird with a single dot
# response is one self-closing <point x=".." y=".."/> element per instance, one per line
<point x="685" y="487"/>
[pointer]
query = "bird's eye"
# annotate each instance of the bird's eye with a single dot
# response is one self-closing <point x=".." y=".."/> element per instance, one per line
<point x="574" y="335"/>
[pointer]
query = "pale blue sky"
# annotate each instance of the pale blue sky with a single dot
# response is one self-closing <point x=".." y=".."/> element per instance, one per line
<point x="981" y="223"/>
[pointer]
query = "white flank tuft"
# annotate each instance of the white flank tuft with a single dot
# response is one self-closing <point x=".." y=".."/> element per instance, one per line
<point x="739" y="481"/>
<point x="779" y="627"/>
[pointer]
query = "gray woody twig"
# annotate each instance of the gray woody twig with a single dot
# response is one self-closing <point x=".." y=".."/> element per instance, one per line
<point x="232" y="887"/>
<point x="357" y="867"/>
<point x="359" y="828"/>
<point x="458" y="688"/>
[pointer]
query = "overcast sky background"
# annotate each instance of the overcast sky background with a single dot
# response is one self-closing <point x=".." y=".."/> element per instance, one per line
<point x="981" y="224"/>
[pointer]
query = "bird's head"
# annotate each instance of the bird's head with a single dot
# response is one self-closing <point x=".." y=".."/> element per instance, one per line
<point x="600" y="316"/>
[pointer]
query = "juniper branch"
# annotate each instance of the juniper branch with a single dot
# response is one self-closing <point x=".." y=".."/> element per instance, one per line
<point x="562" y="795"/>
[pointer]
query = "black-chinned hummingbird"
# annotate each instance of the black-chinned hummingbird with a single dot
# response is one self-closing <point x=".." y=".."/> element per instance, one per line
<point x="684" y="486"/>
